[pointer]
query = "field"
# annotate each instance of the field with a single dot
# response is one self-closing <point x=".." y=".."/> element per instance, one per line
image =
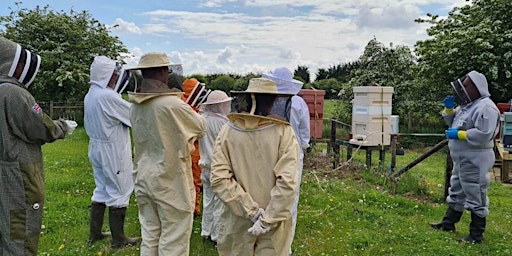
<point x="351" y="211"/>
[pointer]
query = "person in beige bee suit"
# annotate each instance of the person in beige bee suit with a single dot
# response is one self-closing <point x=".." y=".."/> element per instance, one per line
<point x="164" y="129"/>
<point x="254" y="172"/>
<point x="24" y="128"/>
<point x="299" y="120"/>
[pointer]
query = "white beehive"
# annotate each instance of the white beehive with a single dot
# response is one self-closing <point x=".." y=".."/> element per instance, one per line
<point x="371" y="114"/>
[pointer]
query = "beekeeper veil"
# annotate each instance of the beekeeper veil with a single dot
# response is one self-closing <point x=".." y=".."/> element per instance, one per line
<point x="262" y="98"/>
<point x="123" y="80"/>
<point x="17" y="62"/>
<point x="470" y="87"/>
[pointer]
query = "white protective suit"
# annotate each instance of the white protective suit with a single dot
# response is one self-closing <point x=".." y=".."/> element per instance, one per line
<point x="107" y="123"/>
<point x="299" y="120"/>
<point x="255" y="166"/>
<point x="473" y="157"/>
<point x="212" y="205"/>
<point x="164" y="130"/>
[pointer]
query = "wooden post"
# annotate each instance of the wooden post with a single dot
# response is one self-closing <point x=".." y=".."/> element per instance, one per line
<point x="51" y="108"/>
<point x="393" y="153"/>
<point x="447" y="173"/>
<point x="335" y="147"/>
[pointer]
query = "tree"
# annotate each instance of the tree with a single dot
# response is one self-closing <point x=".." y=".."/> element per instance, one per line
<point x="67" y="44"/>
<point x="223" y="83"/>
<point x="340" y="72"/>
<point x="473" y="37"/>
<point x="389" y="66"/>
<point x="321" y="74"/>
<point x="302" y="73"/>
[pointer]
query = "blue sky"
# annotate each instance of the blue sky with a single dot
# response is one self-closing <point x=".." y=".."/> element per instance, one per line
<point x="242" y="36"/>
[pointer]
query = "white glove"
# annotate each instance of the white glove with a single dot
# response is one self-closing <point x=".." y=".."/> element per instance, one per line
<point x="258" y="228"/>
<point x="257" y="215"/>
<point x="71" y="126"/>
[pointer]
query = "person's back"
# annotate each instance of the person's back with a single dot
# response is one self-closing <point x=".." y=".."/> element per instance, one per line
<point x="24" y="128"/>
<point x="107" y="122"/>
<point x="254" y="172"/>
<point x="164" y="129"/>
<point x="99" y="121"/>
<point x="299" y="120"/>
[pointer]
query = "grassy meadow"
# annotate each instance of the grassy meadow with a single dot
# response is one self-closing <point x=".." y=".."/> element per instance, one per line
<point x="350" y="211"/>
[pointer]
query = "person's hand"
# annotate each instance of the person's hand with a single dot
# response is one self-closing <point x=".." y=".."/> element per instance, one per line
<point x="257" y="215"/>
<point x="71" y="125"/>
<point x="449" y="102"/>
<point x="258" y="228"/>
<point x="451" y="134"/>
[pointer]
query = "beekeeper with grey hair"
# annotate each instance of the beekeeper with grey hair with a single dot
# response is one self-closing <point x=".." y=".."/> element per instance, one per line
<point x="472" y="128"/>
<point x="107" y="123"/>
<point x="254" y="172"/>
<point x="24" y="128"/>
<point x="299" y="120"/>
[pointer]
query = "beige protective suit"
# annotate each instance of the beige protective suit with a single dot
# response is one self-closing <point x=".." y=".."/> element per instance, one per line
<point x="164" y="130"/>
<point x="255" y="166"/>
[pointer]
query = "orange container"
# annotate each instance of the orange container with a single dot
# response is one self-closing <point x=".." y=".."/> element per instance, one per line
<point x="315" y="101"/>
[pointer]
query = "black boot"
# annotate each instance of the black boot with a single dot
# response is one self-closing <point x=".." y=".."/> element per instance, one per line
<point x="96" y="222"/>
<point x="448" y="223"/>
<point x="476" y="230"/>
<point x="116" y="218"/>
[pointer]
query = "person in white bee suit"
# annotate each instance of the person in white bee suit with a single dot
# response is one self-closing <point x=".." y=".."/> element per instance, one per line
<point x="107" y="123"/>
<point x="215" y="110"/>
<point x="299" y="120"/>
<point x="254" y="172"/>
<point x="472" y="128"/>
<point x="164" y="130"/>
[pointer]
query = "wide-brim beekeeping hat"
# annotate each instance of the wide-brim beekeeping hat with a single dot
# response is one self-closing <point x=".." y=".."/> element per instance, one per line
<point x="152" y="60"/>
<point x="285" y="83"/>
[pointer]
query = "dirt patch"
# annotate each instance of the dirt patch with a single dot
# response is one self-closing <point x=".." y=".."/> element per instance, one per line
<point x="324" y="167"/>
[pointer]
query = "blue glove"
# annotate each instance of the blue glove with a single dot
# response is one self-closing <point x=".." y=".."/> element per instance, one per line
<point x="449" y="102"/>
<point x="452" y="134"/>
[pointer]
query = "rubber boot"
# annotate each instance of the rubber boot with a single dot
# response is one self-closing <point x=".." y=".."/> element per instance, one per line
<point x="448" y="223"/>
<point x="96" y="223"/>
<point x="116" y="218"/>
<point x="476" y="230"/>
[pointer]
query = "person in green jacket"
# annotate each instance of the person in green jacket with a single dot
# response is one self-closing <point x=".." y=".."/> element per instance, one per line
<point x="24" y="128"/>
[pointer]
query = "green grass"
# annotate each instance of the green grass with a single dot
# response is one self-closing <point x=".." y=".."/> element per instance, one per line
<point x="348" y="212"/>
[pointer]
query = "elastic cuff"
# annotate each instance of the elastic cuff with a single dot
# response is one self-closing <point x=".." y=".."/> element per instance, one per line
<point x="461" y="135"/>
<point x="448" y="111"/>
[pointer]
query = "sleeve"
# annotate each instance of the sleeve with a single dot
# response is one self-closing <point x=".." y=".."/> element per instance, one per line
<point x="30" y="123"/>
<point x="195" y="124"/>
<point x="448" y="118"/>
<point x="304" y="126"/>
<point x="283" y="193"/>
<point x="486" y="123"/>
<point x="118" y="109"/>
<point x="224" y="183"/>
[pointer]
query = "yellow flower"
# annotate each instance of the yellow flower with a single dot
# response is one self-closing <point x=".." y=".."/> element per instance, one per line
<point x="61" y="247"/>
<point x="100" y="253"/>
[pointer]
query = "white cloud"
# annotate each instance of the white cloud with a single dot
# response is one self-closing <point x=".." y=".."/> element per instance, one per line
<point x="225" y="55"/>
<point x="285" y="32"/>
<point x="126" y="27"/>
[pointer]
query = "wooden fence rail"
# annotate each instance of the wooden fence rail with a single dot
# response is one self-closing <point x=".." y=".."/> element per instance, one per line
<point x="67" y="110"/>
